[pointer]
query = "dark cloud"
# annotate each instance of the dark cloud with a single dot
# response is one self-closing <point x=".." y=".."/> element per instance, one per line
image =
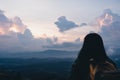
<point x="70" y="46"/>
<point x="63" y="24"/>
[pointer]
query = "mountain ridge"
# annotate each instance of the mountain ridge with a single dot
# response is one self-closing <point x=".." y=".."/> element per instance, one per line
<point x="41" y="54"/>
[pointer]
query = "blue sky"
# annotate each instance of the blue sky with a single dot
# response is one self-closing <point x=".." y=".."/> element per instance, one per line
<point x="33" y="25"/>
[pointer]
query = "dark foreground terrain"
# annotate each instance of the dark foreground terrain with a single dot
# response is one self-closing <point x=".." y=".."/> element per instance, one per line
<point x="34" y="69"/>
<point x="38" y="69"/>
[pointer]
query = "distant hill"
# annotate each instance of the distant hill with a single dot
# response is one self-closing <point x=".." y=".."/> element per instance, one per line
<point x="51" y="54"/>
<point x="41" y="54"/>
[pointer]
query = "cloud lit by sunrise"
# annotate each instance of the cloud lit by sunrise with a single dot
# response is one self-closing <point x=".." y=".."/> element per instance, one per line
<point x="16" y="28"/>
<point x="105" y="20"/>
<point x="1" y="31"/>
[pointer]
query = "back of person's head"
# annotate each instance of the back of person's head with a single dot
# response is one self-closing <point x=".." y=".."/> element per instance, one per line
<point x="92" y="53"/>
<point x="93" y="47"/>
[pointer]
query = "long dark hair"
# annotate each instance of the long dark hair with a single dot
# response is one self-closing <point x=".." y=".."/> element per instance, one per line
<point x="92" y="48"/>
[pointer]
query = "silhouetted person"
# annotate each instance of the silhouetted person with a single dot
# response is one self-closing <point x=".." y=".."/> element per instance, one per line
<point x="92" y="60"/>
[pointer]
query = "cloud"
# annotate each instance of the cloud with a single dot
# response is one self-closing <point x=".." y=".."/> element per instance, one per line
<point x="7" y="25"/>
<point x="109" y="24"/>
<point x="55" y="39"/>
<point x="26" y="37"/>
<point x="83" y="24"/>
<point x="16" y="37"/>
<point x="23" y="42"/>
<point x="77" y="40"/>
<point x="70" y="46"/>
<point x="3" y="18"/>
<point x="63" y="24"/>
<point x="9" y="44"/>
<point x="17" y="25"/>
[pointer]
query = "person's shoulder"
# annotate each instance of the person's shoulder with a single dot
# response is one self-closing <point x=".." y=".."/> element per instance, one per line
<point x="110" y="65"/>
<point x="104" y="68"/>
<point x="107" y="66"/>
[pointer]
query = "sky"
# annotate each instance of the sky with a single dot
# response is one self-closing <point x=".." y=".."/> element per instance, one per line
<point x="36" y="25"/>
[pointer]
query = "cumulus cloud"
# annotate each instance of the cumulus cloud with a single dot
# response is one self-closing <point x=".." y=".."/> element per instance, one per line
<point x="24" y="42"/>
<point x="17" y="25"/>
<point x="26" y="37"/>
<point x="8" y="25"/>
<point x="9" y="44"/>
<point x="14" y="35"/>
<point x="63" y="24"/>
<point x="5" y="23"/>
<point x="3" y="18"/>
<point x="109" y="24"/>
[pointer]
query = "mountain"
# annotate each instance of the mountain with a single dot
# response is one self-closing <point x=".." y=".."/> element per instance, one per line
<point x="41" y="54"/>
